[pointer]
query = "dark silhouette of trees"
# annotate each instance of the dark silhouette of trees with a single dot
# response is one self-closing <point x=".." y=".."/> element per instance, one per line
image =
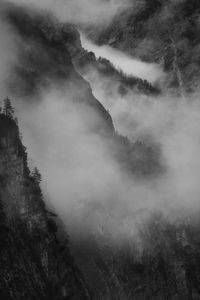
<point x="31" y="263"/>
<point x="36" y="175"/>
<point x="8" y="109"/>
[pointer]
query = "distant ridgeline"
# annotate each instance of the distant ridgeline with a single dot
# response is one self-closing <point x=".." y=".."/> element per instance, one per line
<point x="35" y="261"/>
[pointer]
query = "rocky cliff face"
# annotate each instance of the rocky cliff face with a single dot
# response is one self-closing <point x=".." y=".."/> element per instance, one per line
<point x="35" y="260"/>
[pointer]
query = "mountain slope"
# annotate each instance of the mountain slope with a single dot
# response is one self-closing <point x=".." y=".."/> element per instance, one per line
<point x="49" y="58"/>
<point x="44" y="62"/>
<point x="35" y="260"/>
<point x="160" y="31"/>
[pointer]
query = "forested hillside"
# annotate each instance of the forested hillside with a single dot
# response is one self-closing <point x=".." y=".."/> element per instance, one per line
<point x="162" y="264"/>
<point x="51" y="57"/>
<point x="35" y="259"/>
<point x="34" y="245"/>
<point x="136" y="231"/>
<point x="160" y="31"/>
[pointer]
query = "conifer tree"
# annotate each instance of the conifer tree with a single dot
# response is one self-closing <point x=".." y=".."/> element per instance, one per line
<point x="8" y="109"/>
<point x="36" y="175"/>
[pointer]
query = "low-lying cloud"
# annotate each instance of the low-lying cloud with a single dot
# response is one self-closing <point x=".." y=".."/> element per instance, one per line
<point x="80" y="175"/>
<point x="130" y="66"/>
<point x="85" y="12"/>
<point x="171" y="122"/>
<point x="8" y="54"/>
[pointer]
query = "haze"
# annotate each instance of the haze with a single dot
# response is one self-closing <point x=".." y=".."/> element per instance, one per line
<point x="81" y="177"/>
<point x="151" y="72"/>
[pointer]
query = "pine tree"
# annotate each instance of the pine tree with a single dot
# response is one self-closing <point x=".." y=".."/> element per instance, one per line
<point x="36" y="175"/>
<point x="8" y="109"/>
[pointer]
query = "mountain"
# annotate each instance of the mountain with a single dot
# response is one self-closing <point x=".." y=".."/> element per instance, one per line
<point x="86" y="62"/>
<point x="44" y="62"/>
<point x="35" y="260"/>
<point x="50" y="57"/>
<point x="161" y="31"/>
<point x="163" y="263"/>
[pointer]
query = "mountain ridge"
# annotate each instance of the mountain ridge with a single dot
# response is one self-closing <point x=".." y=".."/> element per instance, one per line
<point x="31" y="246"/>
<point x="159" y="31"/>
<point x="49" y="59"/>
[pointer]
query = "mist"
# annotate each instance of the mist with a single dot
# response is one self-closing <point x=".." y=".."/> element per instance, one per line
<point x="8" y="54"/>
<point x="130" y="66"/>
<point x="82" y="12"/>
<point x="173" y="123"/>
<point x="83" y="180"/>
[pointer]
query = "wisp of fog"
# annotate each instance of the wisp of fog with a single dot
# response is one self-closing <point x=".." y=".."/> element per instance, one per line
<point x="81" y="177"/>
<point x="84" y="12"/>
<point x="129" y="65"/>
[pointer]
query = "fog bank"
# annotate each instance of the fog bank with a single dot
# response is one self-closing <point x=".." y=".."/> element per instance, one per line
<point x="148" y="71"/>
<point x="82" y="178"/>
<point x="84" y="12"/>
<point x="85" y="183"/>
